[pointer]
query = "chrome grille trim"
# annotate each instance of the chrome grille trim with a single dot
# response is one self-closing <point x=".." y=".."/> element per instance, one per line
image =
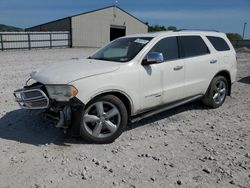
<point x="26" y="102"/>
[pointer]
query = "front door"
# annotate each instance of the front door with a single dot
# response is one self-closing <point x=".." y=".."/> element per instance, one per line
<point x="164" y="82"/>
<point x="151" y="86"/>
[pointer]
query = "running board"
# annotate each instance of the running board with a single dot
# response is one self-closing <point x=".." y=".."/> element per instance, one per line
<point x="157" y="111"/>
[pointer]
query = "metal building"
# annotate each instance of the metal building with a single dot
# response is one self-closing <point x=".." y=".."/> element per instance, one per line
<point x="96" y="28"/>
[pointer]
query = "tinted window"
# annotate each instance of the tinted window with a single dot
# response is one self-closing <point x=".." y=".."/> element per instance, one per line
<point x="168" y="47"/>
<point x="193" y="46"/>
<point x="219" y="43"/>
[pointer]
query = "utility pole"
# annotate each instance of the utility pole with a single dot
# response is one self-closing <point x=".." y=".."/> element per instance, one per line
<point x="244" y="28"/>
<point x="114" y="9"/>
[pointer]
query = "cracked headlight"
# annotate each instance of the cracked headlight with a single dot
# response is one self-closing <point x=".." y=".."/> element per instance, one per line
<point x="61" y="92"/>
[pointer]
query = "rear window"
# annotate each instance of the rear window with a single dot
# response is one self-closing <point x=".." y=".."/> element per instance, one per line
<point x="193" y="46"/>
<point x="219" y="43"/>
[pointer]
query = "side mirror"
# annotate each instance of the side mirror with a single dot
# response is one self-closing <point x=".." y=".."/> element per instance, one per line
<point x="153" y="58"/>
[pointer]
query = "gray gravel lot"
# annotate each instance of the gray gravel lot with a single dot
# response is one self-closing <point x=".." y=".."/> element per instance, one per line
<point x="190" y="146"/>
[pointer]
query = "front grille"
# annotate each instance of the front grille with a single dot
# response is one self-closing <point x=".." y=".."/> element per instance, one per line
<point x="29" y="98"/>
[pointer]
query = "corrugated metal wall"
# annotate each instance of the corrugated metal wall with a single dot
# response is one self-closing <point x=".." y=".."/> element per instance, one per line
<point x="93" y="29"/>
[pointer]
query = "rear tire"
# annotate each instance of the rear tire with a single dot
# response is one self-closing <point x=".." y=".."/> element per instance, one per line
<point x="104" y="119"/>
<point x="216" y="93"/>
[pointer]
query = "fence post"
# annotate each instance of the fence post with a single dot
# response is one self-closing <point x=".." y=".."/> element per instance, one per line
<point x="50" y="40"/>
<point x="1" y="38"/>
<point x="70" y="39"/>
<point x="29" y="43"/>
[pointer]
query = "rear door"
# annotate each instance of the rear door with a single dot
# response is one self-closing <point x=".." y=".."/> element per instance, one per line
<point x="200" y="64"/>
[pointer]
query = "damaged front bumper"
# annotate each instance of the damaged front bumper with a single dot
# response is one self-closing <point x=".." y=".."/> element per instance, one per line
<point x="67" y="115"/>
<point x="32" y="97"/>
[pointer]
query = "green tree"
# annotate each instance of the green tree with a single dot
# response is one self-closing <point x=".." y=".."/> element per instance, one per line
<point x="9" y="28"/>
<point x="234" y="36"/>
<point x="158" y="27"/>
<point x="155" y="28"/>
<point x="172" y="28"/>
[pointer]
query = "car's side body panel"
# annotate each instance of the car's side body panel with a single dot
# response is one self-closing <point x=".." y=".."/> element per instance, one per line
<point x="227" y="59"/>
<point x="117" y="81"/>
<point x="173" y="80"/>
<point x="150" y="89"/>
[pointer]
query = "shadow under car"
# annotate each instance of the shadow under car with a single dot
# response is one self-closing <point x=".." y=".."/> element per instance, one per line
<point x="25" y="127"/>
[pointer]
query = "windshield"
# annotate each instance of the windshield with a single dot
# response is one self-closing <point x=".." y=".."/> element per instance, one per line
<point x="122" y="50"/>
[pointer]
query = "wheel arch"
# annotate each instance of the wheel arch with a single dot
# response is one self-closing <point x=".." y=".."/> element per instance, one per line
<point x="124" y="97"/>
<point x="226" y="74"/>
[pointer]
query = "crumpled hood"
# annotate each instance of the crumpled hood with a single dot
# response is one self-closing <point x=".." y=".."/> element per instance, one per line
<point x="69" y="71"/>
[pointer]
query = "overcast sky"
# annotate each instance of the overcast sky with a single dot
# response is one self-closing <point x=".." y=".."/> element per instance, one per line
<point x="222" y="15"/>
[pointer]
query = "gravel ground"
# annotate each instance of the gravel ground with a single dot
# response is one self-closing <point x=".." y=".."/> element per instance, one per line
<point x="190" y="146"/>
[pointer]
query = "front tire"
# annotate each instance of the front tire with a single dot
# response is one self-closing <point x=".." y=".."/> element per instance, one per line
<point x="216" y="93"/>
<point x="104" y="119"/>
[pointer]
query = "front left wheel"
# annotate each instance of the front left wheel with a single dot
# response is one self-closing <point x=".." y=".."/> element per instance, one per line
<point x="104" y="119"/>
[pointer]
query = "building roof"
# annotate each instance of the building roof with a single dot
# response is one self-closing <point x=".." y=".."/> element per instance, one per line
<point x="88" y="13"/>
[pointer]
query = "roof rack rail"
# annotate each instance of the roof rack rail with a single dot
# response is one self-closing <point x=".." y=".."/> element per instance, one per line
<point x="197" y="30"/>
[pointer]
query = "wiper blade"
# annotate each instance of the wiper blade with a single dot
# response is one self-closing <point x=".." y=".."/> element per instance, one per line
<point x="100" y="59"/>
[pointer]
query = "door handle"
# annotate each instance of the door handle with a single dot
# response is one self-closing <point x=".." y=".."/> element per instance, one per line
<point x="213" y="61"/>
<point x="179" y="67"/>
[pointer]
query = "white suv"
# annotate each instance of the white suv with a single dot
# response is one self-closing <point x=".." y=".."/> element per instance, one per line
<point x="132" y="78"/>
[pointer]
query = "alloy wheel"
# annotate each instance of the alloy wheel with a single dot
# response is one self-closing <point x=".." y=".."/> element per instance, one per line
<point x="219" y="92"/>
<point x="101" y="119"/>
